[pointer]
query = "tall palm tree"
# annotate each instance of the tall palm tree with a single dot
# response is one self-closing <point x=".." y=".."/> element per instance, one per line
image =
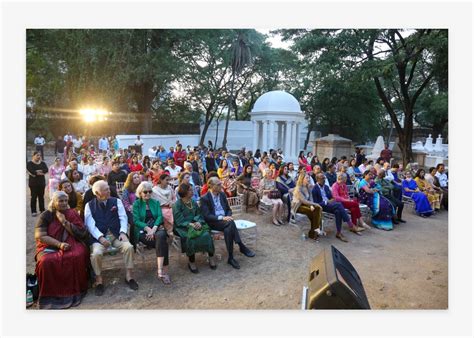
<point x="241" y="57"/>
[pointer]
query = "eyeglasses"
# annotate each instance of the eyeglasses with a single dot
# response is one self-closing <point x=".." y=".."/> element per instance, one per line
<point x="147" y="191"/>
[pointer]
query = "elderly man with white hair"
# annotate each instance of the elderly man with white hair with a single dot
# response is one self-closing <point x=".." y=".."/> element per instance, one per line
<point x="218" y="215"/>
<point x="106" y="220"/>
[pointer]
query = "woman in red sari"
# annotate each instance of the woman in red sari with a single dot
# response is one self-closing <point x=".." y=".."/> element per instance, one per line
<point x="340" y="194"/>
<point x="62" y="260"/>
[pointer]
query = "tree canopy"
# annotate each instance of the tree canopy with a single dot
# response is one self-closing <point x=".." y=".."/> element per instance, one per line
<point x="353" y="82"/>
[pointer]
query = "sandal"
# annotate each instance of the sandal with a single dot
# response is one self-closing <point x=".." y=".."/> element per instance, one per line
<point x="356" y="231"/>
<point x="165" y="278"/>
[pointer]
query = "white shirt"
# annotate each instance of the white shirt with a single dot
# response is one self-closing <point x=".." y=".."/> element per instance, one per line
<point x="67" y="137"/>
<point x="103" y="144"/>
<point x="39" y="141"/>
<point x="174" y="172"/>
<point x="81" y="186"/>
<point x="389" y="175"/>
<point x="362" y="168"/>
<point x="138" y="142"/>
<point x="89" y="169"/>
<point x="443" y="179"/>
<point x="77" y="143"/>
<point x="90" y="221"/>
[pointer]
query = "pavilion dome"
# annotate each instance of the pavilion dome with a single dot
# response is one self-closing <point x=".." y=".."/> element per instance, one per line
<point x="277" y="101"/>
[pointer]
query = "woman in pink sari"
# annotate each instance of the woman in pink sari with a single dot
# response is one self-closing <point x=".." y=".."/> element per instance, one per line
<point x="164" y="194"/>
<point x="341" y="194"/>
<point x="303" y="162"/>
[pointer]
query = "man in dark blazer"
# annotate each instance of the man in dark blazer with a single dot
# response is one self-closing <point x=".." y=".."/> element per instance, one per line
<point x="322" y="195"/>
<point x="218" y="215"/>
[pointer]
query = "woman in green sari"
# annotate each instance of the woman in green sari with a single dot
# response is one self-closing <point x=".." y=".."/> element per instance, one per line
<point x="190" y="226"/>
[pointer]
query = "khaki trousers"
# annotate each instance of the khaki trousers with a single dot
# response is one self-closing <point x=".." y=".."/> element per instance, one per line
<point x="314" y="216"/>
<point x="97" y="252"/>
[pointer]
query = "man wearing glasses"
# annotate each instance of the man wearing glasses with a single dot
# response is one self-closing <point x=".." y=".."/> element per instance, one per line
<point x="106" y="220"/>
<point x="218" y="215"/>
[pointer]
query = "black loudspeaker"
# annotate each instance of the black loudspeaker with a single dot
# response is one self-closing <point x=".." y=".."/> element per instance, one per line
<point x="334" y="283"/>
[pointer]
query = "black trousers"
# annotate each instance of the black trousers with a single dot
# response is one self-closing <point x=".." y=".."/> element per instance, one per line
<point x="37" y="193"/>
<point x="160" y="244"/>
<point x="397" y="204"/>
<point x="286" y="198"/>
<point x="340" y="214"/>
<point x="40" y="149"/>
<point x="444" y="200"/>
<point x="231" y="234"/>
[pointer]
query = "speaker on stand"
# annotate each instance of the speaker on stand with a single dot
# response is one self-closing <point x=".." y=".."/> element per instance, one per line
<point x="333" y="284"/>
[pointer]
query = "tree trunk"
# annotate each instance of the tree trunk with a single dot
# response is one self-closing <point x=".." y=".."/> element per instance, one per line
<point x="144" y="100"/>
<point x="406" y="137"/>
<point x="204" y="132"/>
<point x="224" y="141"/>
<point x="310" y="129"/>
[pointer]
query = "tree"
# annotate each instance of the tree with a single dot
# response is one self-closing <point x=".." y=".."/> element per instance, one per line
<point x="400" y="63"/>
<point x="241" y="57"/>
<point x="206" y="73"/>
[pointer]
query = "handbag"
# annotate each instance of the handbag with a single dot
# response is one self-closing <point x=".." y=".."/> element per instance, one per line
<point x="274" y="194"/>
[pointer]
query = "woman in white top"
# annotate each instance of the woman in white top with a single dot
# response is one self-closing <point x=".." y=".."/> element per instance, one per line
<point x="267" y="188"/>
<point x="79" y="185"/>
<point x="164" y="194"/>
<point x="90" y="168"/>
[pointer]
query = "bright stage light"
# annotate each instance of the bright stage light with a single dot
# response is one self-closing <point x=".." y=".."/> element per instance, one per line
<point x="93" y="115"/>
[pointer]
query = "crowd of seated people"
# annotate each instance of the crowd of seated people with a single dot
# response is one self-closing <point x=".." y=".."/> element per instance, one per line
<point x="184" y="193"/>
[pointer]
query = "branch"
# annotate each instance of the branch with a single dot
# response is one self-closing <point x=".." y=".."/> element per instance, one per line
<point x="420" y="90"/>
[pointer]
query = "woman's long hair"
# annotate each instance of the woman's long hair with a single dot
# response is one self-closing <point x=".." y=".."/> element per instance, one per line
<point x="72" y="196"/>
<point x="129" y="185"/>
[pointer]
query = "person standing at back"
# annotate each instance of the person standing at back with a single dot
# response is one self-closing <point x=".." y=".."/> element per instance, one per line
<point x="39" y="143"/>
<point x="36" y="170"/>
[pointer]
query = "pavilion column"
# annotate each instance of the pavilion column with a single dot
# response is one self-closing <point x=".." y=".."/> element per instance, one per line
<point x="297" y="139"/>
<point x="265" y="136"/>
<point x="287" y="140"/>
<point x="280" y="134"/>
<point x="255" y="136"/>
<point x="293" y="140"/>
<point x="271" y="141"/>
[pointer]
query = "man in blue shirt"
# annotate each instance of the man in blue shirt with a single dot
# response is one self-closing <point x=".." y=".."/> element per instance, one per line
<point x="322" y="195"/>
<point x="162" y="154"/>
<point x="218" y="215"/>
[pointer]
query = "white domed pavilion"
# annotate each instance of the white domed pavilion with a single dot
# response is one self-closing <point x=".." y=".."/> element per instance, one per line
<point x="277" y="111"/>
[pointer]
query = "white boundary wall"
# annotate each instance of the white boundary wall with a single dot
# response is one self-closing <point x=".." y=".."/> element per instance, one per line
<point x="240" y="134"/>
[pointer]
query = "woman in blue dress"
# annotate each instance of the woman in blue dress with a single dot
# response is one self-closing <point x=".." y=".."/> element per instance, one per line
<point x="410" y="189"/>
<point x="382" y="210"/>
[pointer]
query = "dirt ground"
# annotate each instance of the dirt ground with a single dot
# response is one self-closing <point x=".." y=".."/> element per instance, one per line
<point x="406" y="268"/>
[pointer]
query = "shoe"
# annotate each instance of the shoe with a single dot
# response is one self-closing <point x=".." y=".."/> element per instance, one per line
<point x="357" y="232"/>
<point x="34" y="214"/>
<point x="341" y="238"/>
<point x="401" y="220"/>
<point x="281" y="222"/>
<point x="234" y="263"/>
<point x="275" y="222"/>
<point x="360" y="229"/>
<point x="247" y="252"/>
<point x="99" y="289"/>
<point x="394" y="221"/>
<point x="212" y="266"/>
<point x="192" y="270"/>
<point x="132" y="284"/>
